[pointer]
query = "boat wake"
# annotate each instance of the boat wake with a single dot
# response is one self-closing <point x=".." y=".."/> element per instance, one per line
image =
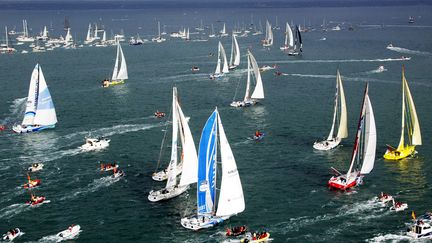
<point x="93" y="187"/>
<point x="343" y="61"/>
<point x="309" y="75"/>
<point x="12" y="210"/>
<point x="380" y="69"/>
<point x="17" y="107"/>
<point x="353" y="214"/>
<point x="408" y="51"/>
<point x="389" y="238"/>
<point x="55" y="238"/>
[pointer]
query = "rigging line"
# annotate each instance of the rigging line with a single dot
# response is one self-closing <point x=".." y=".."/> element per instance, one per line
<point x="163" y="143"/>
<point x="238" y="85"/>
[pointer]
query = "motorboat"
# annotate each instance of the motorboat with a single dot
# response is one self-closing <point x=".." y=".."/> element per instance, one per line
<point x="36" y="167"/>
<point x="12" y="234"/>
<point x="69" y="233"/>
<point x="95" y="144"/>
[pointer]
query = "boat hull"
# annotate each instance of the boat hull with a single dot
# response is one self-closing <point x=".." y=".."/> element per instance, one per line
<point x="166" y="193"/>
<point x="10" y="237"/>
<point x="113" y="83"/>
<point x="327" y="144"/>
<point x="193" y="223"/>
<point x="340" y="183"/>
<point x="243" y="103"/>
<point x="400" y="154"/>
<point x="31" y="128"/>
<point x="70" y="233"/>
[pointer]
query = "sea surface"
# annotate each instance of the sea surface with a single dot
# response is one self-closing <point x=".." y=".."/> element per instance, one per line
<point x="284" y="179"/>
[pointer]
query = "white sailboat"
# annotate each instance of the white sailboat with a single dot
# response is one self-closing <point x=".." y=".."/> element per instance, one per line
<point x="40" y="113"/>
<point x="5" y="48"/>
<point x="231" y="198"/>
<point x="363" y="154"/>
<point x="189" y="159"/>
<point x="223" y="32"/>
<point x="258" y="93"/>
<point x="212" y="34"/>
<point x="120" y="73"/>
<point x="158" y="38"/>
<point x="268" y="41"/>
<point x="410" y="123"/>
<point x="220" y="69"/>
<point x="89" y="37"/>
<point x="25" y="35"/>
<point x="68" y="38"/>
<point x="340" y="113"/>
<point x="43" y="35"/>
<point x="289" y="39"/>
<point x="235" y="54"/>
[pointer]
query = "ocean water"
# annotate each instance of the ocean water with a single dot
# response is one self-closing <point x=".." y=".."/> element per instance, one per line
<point x="284" y="179"/>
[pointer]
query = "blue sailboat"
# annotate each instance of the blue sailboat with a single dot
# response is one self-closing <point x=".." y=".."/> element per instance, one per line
<point x="231" y="199"/>
<point x="40" y="113"/>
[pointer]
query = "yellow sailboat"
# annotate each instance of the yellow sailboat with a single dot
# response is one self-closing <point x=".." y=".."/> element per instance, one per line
<point x="410" y="123"/>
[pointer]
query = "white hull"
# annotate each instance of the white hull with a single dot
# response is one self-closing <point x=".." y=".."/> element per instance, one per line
<point x="243" y="103"/>
<point x="214" y="76"/>
<point x="118" y="174"/>
<point x="402" y="207"/>
<point x="203" y="222"/>
<point x="327" y="144"/>
<point x="30" y="128"/>
<point x="94" y="144"/>
<point x="70" y="233"/>
<point x="9" y="237"/>
<point x="166" y="193"/>
<point x="163" y="174"/>
<point x="36" y="168"/>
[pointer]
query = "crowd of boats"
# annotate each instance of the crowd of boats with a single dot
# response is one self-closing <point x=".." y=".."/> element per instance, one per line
<point x="188" y="166"/>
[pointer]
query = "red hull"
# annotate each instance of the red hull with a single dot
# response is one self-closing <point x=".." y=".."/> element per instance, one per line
<point x="39" y="200"/>
<point x="336" y="185"/>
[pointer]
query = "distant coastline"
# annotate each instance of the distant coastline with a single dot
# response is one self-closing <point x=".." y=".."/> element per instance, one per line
<point x="145" y="4"/>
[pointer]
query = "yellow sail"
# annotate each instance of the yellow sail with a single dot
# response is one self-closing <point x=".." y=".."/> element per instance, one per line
<point x="412" y="126"/>
<point x="343" y="123"/>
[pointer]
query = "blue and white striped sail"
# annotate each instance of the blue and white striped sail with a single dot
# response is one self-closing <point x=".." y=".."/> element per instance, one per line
<point x="40" y="107"/>
<point x="206" y="187"/>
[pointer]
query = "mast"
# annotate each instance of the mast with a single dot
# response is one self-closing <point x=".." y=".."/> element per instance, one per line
<point x="330" y="136"/>
<point x="172" y="168"/>
<point x="402" y="142"/>
<point x="247" y="97"/>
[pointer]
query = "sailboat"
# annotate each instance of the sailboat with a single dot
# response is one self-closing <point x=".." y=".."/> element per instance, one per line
<point x="40" y="113"/>
<point x="340" y="112"/>
<point x="410" y="123"/>
<point x="235" y="54"/>
<point x="189" y="157"/>
<point x="158" y="38"/>
<point x="89" y="38"/>
<point x="68" y="38"/>
<point x="43" y="35"/>
<point x="223" y="32"/>
<point x="231" y="199"/>
<point x="363" y="154"/>
<point x="289" y="39"/>
<point x="25" y="35"/>
<point x="258" y="92"/>
<point x="268" y="41"/>
<point x="212" y="34"/>
<point x="120" y="73"/>
<point x="4" y="48"/>
<point x="220" y="70"/>
<point x="298" y="44"/>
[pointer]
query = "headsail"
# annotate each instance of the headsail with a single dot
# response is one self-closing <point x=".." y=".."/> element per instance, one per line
<point x="370" y="138"/>
<point x="120" y="67"/>
<point x="231" y="199"/>
<point x="343" y="121"/>
<point x="172" y="168"/>
<point x="258" y="92"/>
<point x="235" y="52"/>
<point x="415" y="125"/>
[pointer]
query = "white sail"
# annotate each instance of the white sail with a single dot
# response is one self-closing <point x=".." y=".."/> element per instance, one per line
<point x="45" y="32"/>
<point x="190" y="159"/>
<point x="258" y="92"/>
<point x="343" y="120"/>
<point x="218" y="66"/>
<point x="187" y="34"/>
<point x="95" y="36"/>
<point x="235" y="52"/>
<point x="223" y="55"/>
<point x="120" y="67"/>
<point x="30" y="111"/>
<point x="370" y="138"/>
<point x="45" y="111"/>
<point x="104" y="36"/>
<point x="68" y="37"/>
<point x="269" y="34"/>
<point x="416" y="134"/>
<point x="172" y="168"/>
<point x="247" y="94"/>
<point x="290" y="36"/>
<point x="231" y="199"/>
<point x="88" y="37"/>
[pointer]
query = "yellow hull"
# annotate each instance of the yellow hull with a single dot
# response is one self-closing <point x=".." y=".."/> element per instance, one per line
<point x="399" y="154"/>
<point x="112" y="83"/>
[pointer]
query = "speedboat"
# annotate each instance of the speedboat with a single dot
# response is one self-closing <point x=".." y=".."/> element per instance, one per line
<point x="398" y="206"/>
<point x="2" y="127"/>
<point x="12" y="234"/>
<point x="195" y="69"/>
<point x="35" y="200"/>
<point x="256" y="237"/>
<point x="236" y="231"/>
<point x="117" y="173"/>
<point x="327" y="144"/>
<point x="381" y="69"/>
<point x="70" y="232"/>
<point x="203" y="222"/>
<point x="108" y="167"/>
<point x="159" y="114"/>
<point x="216" y="75"/>
<point x="385" y="198"/>
<point x="405" y="58"/>
<point x="390" y="45"/>
<point x="35" y="167"/>
<point x="95" y="144"/>
<point x="259" y="136"/>
<point x="32" y="184"/>
<point x="166" y="193"/>
<point x="420" y="230"/>
<point x="267" y="67"/>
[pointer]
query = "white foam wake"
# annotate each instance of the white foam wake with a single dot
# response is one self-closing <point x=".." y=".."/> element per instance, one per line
<point x="389" y="238"/>
<point x="92" y="187"/>
<point x="15" y="109"/>
<point x="408" y="51"/>
<point x="342" y="61"/>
